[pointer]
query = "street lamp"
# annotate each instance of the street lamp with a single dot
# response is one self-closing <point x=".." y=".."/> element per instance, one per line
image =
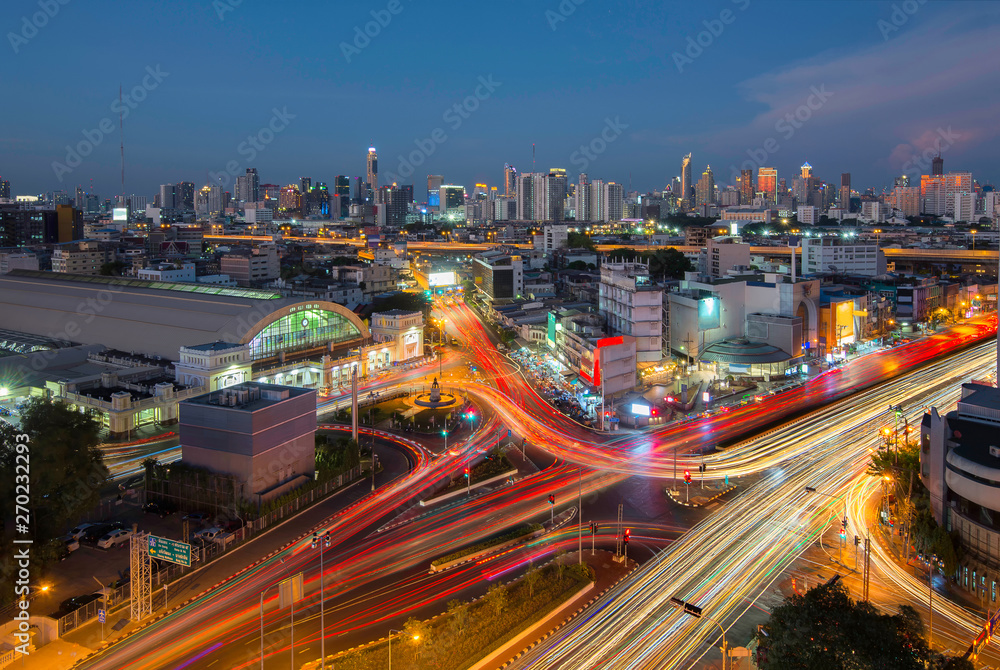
<point x="695" y="611"/>
<point x="323" y="543"/>
<point x="391" y="631"/>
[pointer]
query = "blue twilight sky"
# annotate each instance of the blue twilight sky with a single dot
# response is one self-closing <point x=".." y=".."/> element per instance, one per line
<point x="874" y="85"/>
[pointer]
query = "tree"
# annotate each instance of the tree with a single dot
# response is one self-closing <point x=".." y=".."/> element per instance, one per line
<point x="67" y="472"/>
<point x="531" y="580"/>
<point x="497" y="597"/>
<point x="580" y="241"/>
<point x="824" y="628"/>
<point x="577" y="265"/>
<point x="113" y="269"/>
<point x="407" y="302"/>
<point x="667" y="263"/>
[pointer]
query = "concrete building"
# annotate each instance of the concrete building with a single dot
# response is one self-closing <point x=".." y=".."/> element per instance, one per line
<point x="214" y="366"/>
<point x="750" y="213"/>
<point x="401" y="335"/>
<point x="17" y="260"/>
<point x="169" y="272"/>
<point x="633" y="305"/>
<point x="554" y="236"/>
<point x="831" y="254"/>
<point x="807" y="214"/>
<point x="937" y="192"/>
<point x="722" y="254"/>
<point x="960" y="465"/>
<point x="499" y="274"/>
<point x="609" y="364"/>
<point x="261" y="434"/>
<point x="250" y="267"/>
<point x="80" y="258"/>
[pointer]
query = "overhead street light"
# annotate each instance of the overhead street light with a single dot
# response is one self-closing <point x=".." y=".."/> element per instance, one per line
<point x="693" y="610"/>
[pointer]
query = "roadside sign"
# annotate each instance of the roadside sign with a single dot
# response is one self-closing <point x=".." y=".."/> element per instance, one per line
<point x="101" y="615"/>
<point x="173" y="551"/>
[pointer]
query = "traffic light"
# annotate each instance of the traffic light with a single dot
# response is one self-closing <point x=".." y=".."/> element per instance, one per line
<point x="467" y="471"/>
<point x="593" y="528"/>
<point x="687" y="476"/>
<point x="702" y="468"/>
<point x="552" y="499"/>
<point x="317" y="539"/>
<point x="857" y="540"/>
<point x="628" y="533"/>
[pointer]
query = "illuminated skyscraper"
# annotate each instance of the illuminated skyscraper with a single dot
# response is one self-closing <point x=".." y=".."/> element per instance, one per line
<point x="807" y="171"/>
<point x="687" y="187"/>
<point x="705" y="189"/>
<point x="372" y="169"/>
<point x="509" y="180"/>
<point x="767" y="183"/>
<point x="747" y="189"/>
<point x="845" y="191"/>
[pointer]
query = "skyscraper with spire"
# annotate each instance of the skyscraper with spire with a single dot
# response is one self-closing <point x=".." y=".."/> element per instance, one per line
<point x="705" y="189"/>
<point x="687" y="187"/>
<point x="372" y="169"/>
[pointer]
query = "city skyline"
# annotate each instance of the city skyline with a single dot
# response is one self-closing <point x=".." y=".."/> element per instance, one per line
<point x="858" y="86"/>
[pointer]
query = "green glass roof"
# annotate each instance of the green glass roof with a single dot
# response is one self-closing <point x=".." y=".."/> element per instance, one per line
<point x="209" y="289"/>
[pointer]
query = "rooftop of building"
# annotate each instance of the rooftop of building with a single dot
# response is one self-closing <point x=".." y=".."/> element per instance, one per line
<point x="215" y="346"/>
<point x="249" y="396"/>
<point x="208" y="289"/>
<point x="740" y="350"/>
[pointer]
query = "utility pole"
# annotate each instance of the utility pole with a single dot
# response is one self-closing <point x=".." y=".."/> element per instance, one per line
<point x="354" y="406"/>
<point x="579" y="511"/>
<point x="868" y="564"/>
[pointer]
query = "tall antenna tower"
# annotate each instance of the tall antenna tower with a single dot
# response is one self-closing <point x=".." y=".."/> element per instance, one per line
<point x="121" y="131"/>
<point x="532" y="156"/>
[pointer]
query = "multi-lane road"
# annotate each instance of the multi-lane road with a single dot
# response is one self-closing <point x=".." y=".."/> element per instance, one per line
<point x="378" y="575"/>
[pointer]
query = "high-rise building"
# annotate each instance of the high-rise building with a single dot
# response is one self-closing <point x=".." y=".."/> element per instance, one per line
<point x="452" y="202"/>
<point x="583" y="211"/>
<point x="372" y="169"/>
<point x="81" y="197"/>
<point x="705" y="188"/>
<point x="4" y="188"/>
<point x="208" y="201"/>
<point x="186" y="194"/>
<point x="906" y="199"/>
<point x="290" y="199"/>
<point x="806" y="171"/>
<point x="614" y="202"/>
<point x="903" y="180"/>
<point x="747" y="189"/>
<point x="168" y="196"/>
<point x="845" y="191"/>
<point x="632" y="304"/>
<point x="767" y="183"/>
<point x="555" y="195"/>
<point x="342" y="185"/>
<point x="937" y="166"/>
<point x="305" y="185"/>
<point x="937" y="192"/>
<point x="434" y="183"/>
<point x="509" y="180"/>
<point x="687" y="187"/>
<point x="253" y="185"/>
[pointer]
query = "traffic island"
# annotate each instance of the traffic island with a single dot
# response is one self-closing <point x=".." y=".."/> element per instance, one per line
<point x="699" y="499"/>
<point x="460" y="638"/>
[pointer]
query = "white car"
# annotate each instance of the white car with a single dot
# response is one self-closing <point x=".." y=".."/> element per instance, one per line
<point x="208" y="534"/>
<point x="78" y="532"/>
<point x="114" y="538"/>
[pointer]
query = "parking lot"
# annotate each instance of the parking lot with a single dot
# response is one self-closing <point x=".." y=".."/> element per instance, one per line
<point x="80" y="572"/>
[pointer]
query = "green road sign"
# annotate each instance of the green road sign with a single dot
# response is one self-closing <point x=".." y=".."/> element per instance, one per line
<point x="174" y="551"/>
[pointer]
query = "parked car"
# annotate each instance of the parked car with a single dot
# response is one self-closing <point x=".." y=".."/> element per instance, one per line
<point x="200" y="517"/>
<point x="96" y="532"/>
<point x="114" y="538"/>
<point x="76" y="602"/>
<point x="160" y="509"/>
<point x="208" y="534"/>
<point x="79" y="531"/>
<point x="68" y="545"/>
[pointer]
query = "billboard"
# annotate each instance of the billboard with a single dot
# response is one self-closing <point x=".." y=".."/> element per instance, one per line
<point x="119" y="214"/>
<point x="708" y="313"/>
<point x="640" y="410"/>
<point x="441" y="279"/>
